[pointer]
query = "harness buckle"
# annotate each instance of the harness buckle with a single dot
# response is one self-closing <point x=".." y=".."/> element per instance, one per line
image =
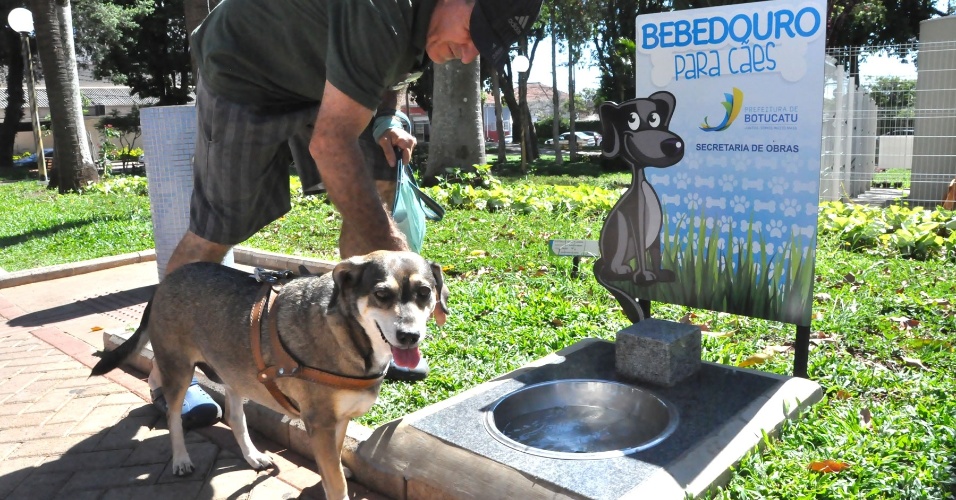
<point x="272" y="277"/>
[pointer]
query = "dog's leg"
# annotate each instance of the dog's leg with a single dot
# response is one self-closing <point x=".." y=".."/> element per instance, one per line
<point x="327" y="444"/>
<point x="174" y="390"/>
<point x="236" y="418"/>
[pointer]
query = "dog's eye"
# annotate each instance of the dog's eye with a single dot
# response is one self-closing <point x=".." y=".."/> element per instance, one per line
<point x="654" y="120"/>
<point x="634" y="121"/>
<point x="383" y="294"/>
<point x="424" y="292"/>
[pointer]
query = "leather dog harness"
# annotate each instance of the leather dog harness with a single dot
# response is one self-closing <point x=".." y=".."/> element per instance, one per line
<point x="284" y="364"/>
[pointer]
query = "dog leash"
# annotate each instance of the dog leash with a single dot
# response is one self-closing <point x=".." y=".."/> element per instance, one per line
<point x="285" y="365"/>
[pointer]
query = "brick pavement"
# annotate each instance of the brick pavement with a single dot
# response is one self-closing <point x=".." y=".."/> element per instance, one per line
<point x="66" y="435"/>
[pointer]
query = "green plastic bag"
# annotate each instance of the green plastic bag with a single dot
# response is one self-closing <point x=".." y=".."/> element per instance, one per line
<point x="413" y="207"/>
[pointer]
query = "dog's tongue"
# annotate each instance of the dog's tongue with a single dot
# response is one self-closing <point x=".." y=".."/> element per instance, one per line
<point x="406" y="358"/>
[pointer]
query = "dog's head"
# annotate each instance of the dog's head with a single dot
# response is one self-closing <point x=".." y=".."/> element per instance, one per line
<point x="393" y="294"/>
<point x="637" y="130"/>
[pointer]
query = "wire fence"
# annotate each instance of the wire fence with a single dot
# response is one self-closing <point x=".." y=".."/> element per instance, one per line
<point x="890" y="138"/>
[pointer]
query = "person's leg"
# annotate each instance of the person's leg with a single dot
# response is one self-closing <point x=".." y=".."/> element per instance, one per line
<point x="240" y="184"/>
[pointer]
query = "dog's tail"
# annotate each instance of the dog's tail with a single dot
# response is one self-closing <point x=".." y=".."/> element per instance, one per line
<point x="112" y="359"/>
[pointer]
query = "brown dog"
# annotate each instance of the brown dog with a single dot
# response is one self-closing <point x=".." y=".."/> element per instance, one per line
<point x="335" y="335"/>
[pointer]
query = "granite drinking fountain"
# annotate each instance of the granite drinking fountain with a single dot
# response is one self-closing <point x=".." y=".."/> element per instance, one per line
<point x="641" y="417"/>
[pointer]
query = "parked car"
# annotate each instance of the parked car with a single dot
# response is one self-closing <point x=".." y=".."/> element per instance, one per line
<point x="31" y="160"/>
<point x="582" y="139"/>
<point x="597" y="137"/>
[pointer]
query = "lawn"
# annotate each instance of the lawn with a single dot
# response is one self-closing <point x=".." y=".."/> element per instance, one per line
<point x="883" y="348"/>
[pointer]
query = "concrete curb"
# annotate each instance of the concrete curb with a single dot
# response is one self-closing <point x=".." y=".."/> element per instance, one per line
<point x="242" y="255"/>
<point x="279" y="261"/>
<point x="38" y="274"/>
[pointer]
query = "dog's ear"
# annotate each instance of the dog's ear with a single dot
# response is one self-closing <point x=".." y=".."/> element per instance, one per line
<point x="611" y="143"/>
<point x="441" y="311"/>
<point x="345" y="274"/>
<point x="665" y="105"/>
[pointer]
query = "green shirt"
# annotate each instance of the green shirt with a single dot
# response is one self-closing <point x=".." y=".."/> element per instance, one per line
<point x="279" y="52"/>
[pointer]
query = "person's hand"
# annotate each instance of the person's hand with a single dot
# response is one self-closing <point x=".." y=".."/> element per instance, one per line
<point x="397" y="138"/>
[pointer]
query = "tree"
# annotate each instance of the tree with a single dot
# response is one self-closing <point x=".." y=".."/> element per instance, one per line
<point x="53" y="22"/>
<point x="574" y="23"/>
<point x="870" y="25"/>
<point x="146" y="47"/>
<point x="616" y="51"/>
<point x="12" y="56"/>
<point x="895" y="98"/>
<point x="555" y="96"/>
<point x="124" y="128"/>
<point x="456" y="140"/>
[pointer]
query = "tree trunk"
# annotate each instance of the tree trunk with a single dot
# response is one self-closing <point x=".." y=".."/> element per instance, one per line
<point x="13" y="115"/>
<point x="53" y="21"/>
<point x="556" y="99"/>
<point x="456" y="139"/>
<point x="572" y="116"/>
<point x="499" y="123"/>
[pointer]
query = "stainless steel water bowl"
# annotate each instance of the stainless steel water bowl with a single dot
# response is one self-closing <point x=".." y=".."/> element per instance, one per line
<point x="581" y="419"/>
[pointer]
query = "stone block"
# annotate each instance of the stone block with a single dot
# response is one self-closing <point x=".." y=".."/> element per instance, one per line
<point x="658" y="352"/>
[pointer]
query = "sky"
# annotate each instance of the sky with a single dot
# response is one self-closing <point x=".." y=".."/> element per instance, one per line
<point x="588" y="76"/>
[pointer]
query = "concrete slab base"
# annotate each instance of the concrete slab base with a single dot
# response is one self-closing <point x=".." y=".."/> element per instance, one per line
<point x="444" y="451"/>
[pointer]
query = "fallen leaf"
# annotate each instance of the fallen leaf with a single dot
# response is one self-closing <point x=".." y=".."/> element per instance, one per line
<point x="96" y="328"/>
<point x="478" y="253"/>
<point x="849" y="278"/>
<point x="914" y="363"/>
<point x="541" y="271"/>
<point x="822" y="297"/>
<point x="826" y="466"/>
<point x="756" y="359"/>
<point x="866" y="418"/>
<point x="557" y="322"/>
<point x="842" y="395"/>
<point x="688" y="319"/>
<point x="919" y="343"/>
<point x="904" y="323"/>
<point x="817" y="338"/>
<point x="717" y="334"/>
<point x="777" y="349"/>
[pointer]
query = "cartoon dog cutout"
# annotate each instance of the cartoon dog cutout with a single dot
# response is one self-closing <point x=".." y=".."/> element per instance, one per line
<point x="637" y="132"/>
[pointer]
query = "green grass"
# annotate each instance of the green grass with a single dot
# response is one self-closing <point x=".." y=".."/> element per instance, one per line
<point x="884" y="328"/>
<point x="39" y="227"/>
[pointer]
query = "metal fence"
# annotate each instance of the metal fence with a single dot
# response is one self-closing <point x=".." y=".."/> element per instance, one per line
<point x="891" y="138"/>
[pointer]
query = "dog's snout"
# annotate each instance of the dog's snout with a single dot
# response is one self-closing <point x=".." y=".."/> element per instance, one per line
<point x="407" y="338"/>
<point x="672" y="147"/>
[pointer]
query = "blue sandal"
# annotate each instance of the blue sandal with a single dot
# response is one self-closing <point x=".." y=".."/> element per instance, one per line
<point x="199" y="409"/>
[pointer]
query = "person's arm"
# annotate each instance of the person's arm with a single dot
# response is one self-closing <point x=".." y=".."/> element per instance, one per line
<point x="395" y="136"/>
<point x="334" y="146"/>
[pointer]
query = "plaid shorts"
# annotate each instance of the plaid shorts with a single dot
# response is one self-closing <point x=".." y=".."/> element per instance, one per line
<point x="241" y="165"/>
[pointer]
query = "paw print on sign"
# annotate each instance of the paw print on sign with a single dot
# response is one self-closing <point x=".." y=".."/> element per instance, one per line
<point x="778" y="185"/>
<point x="691" y="163"/>
<point x="740" y="204"/>
<point x="692" y="201"/>
<point x="789" y="208"/>
<point x="742" y="162"/>
<point x="682" y="181"/>
<point x="775" y="228"/>
<point x="727" y="182"/>
<point x="727" y="223"/>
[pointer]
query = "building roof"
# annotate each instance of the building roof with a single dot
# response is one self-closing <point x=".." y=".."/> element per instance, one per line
<point x="110" y="97"/>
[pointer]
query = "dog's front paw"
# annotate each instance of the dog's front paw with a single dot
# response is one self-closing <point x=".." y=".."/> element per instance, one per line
<point x="183" y="467"/>
<point x="258" y="460"/>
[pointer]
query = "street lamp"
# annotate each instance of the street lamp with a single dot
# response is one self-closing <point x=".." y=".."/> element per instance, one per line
<point x="21" y="20"/>
<point x="520" y="63"/>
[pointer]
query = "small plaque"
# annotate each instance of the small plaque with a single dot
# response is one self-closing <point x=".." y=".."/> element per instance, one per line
<point x="575" y="248"/>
